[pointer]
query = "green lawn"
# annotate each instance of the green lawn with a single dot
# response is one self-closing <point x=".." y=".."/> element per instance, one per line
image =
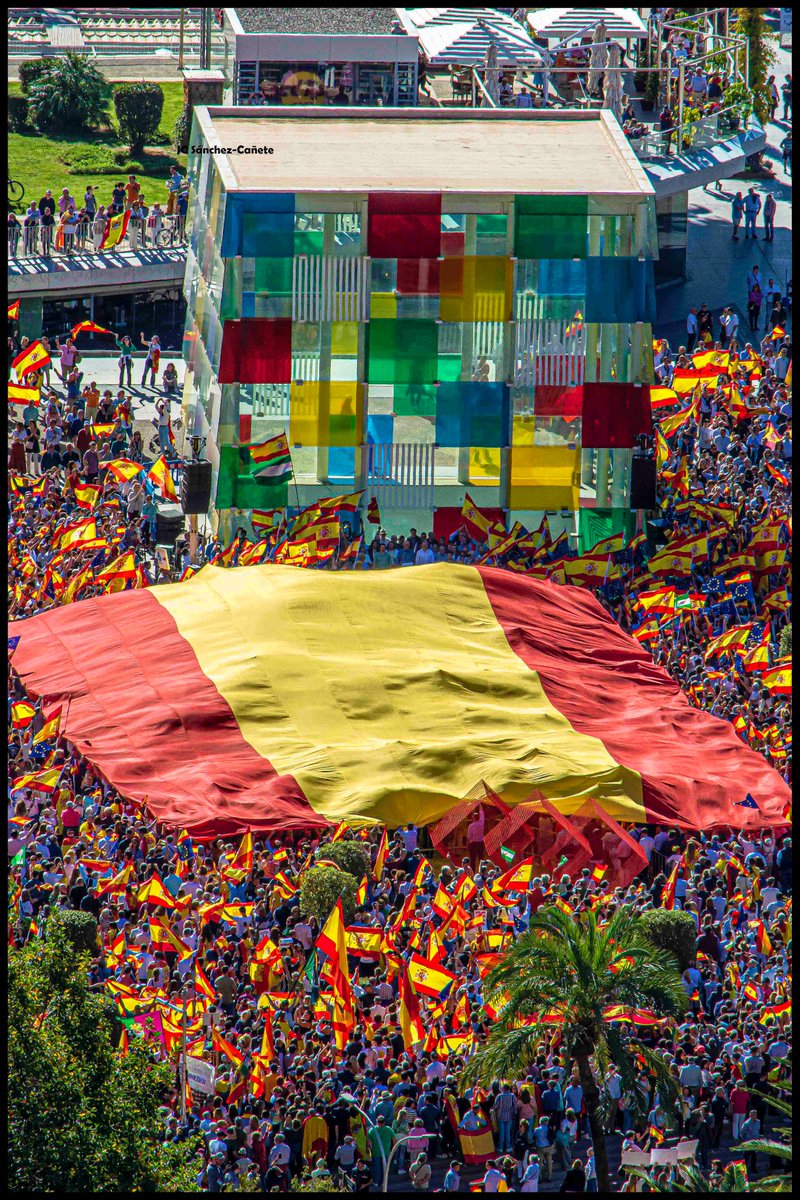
<point x="40" y="161"/>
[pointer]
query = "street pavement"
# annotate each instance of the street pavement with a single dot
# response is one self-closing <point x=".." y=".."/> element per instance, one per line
<point x="717" y="266"/>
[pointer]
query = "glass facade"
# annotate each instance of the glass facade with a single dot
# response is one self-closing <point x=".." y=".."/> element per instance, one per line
<point x="157" y="310"/>
<point x="419" y="348"/>
<point x="367" y="83"/>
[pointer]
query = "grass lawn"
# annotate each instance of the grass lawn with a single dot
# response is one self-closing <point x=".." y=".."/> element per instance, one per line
<point x="39" y="161"/>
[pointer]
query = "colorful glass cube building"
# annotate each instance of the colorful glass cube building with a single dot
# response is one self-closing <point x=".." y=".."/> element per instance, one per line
<point x="426" y="304"/>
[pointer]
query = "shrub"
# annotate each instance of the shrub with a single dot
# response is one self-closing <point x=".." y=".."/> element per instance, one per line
<point x="181" y="132"/>
<point x="138" y="107"/>
<point x="785" y="642"/>
<point x="83" y="159"/>
<point x="321" y="887"/>
<point x="759" y="56"/>
<point x="674" y="931"/>
<point x="350" y="855"/>
<point x="18" y="113"/>
<point x="31" y="70"/>
<point x="79" y="928"/>
<point x="307" y="1184"/>
<point x="71" y="94"/>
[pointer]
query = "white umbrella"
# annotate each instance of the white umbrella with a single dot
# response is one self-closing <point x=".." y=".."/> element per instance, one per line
<point x="612" y="82"/>
<point x="491" y="76"/>
<point x="597" y="58"/>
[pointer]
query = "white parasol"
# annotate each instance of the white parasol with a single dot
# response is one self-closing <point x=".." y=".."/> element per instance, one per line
<point x="597" y="58"/>
<point x="612" y="82"/>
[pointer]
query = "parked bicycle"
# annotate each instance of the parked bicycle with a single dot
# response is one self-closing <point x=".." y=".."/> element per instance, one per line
<point x="16" y="193"/>
<point x="169" y="234"/>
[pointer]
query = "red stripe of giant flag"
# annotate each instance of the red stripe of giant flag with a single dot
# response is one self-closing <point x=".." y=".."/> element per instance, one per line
<point x="208" y="746"/>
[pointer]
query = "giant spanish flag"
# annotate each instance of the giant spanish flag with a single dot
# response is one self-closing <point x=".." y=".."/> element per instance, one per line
<point x="262" y="698"/>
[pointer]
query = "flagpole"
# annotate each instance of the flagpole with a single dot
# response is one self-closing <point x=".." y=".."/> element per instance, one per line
<point x="183" y="1051"/>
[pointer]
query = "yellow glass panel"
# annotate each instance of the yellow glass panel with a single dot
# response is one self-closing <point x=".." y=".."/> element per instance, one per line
<point x="344" y="338"/>
<point x="476" y="288"/>
<point x="523" y="430"/>
<point x="326" y="414"/>
<point x="484" y="466"/>
<point x="383" y="304"/>
<point x="544" y="477"/>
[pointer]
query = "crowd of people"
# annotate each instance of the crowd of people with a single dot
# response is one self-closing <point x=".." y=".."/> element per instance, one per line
<point x="289" y="1104"/>
<point x="63" y="225"/>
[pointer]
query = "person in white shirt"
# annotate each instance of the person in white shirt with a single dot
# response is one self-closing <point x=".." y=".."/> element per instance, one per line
<point x="691" y="329"/>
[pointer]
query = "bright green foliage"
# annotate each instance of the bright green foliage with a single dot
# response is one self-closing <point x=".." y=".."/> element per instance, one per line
<point x="348" y="854"/>
<point x="673" y="931"/>
<point x="321" y="1184"/>
<point x="17" y="113"/>
<point x="80" y="1117"/>
<point x="761" y="40"/>
<point x="138" y="107"/>
<point x="72" y="95"/>
<point x="785" y="642"/>
<point x="321" y="887"/>
<point x="181" y="131"/>
<point x="563" y="964"/>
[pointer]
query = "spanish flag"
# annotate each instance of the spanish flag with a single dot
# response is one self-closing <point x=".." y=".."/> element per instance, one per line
<point x="161" y="476"/>
<point x="778" y="680"/>
<point x="22" y="714"/>
<point x="655" y="1135"/>
<point x="516" y="879"/>
<point x="115" y="230"/>
<point x="89" y="327"/>
<point x="763" y="944"/>
<point x="778" y="475"/>
<point x="116" y="885"/>
<point x="122" y="469"/>
<point x="87" y="494"/>
<point x="381" y="856"/>
<point x="373" y="512"/>
<point x="644" y="753"/>
<point x="411" y="1026"/>
<point x="32" y="358"/>
<point x="471" y="513"/>
<point x="20" y="393"/>
<point x="333" y="944"/>
<point x="52" y="724"/>
<point x="428" y="978"/>
<point x="39" y="781"/>
<point x="221" y="1045"/>
<point x="476" y="1139"/>
<point x="13" y="310"/>
<point x="668" y="895"/>
<point x="155" y="894"/>
<point x="162" y="936"/>
<point x="242" y="862"/>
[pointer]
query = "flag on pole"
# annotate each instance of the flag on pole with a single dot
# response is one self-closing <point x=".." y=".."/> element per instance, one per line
<point x="271" y="459"/>
<point x="52" y="724"/>
<point x="373" y="512"/>
<point x="160" y="475"/>
<point x="13" y="310"/>
<point x="115" y="230"/>
<point x="89" y="327"/>
<point x="32" y="358"/>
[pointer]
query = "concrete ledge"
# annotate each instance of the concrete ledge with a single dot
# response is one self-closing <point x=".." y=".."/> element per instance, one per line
<point x="96" y="272"/>
<point x="696" y="168"/>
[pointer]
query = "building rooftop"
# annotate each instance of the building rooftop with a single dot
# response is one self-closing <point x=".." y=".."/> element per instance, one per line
<point x="317" y="20"/>
<point x="481" y="151"/>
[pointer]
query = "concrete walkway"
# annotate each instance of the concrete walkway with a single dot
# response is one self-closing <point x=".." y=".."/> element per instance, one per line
<point x="717" y="266"/>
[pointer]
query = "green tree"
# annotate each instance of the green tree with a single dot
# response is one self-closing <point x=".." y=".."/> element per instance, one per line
<point x="566" y="964"/>
<point x="750" y="23"/>
<point x="138" y="107"/>
<point x="673" y="931"/>
<point x="81" y="1118"/>
<point x="73" y="94"/>
<point x="31" y="70"/>
<point x="785" y="643"/>
<point x="79" y="928"/>
<point x="350" y="855"/>
<point x="321" y="887"/>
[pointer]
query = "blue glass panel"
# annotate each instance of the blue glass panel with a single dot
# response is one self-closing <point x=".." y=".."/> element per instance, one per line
<point x="472" y="414"/>
<point x="619" y="289"/>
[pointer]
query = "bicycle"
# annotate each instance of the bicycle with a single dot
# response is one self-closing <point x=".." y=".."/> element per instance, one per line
<point x="169" y="234"/>
<point x="16" y="192"/>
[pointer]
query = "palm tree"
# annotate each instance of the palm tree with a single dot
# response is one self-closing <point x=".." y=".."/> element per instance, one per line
<point x="569" y="967"/>
<point x="782" y="1149"/>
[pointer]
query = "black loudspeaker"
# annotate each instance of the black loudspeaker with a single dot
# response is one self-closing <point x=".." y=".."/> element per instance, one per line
<point x="196" y="488"/>
<point x="643" y="483"/>
<point x="168" y="526"/>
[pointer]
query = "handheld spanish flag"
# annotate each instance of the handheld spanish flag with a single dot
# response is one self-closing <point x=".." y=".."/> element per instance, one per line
<point x="763" y="944"/>
<point x="428" y="978"/>
<point x="272" y="459"/>
<point x="668" y="895"/>
<point x="161" y="476"/>
<point x="162" y="936"/>
<point x="20" y="393"/>
<point x="598" y="872"/>
<point x="38" y="781"/>
<point x="117" y="884"/>
<point x="32" y="358"/>
<point x="89" y="327"/>
<point x="373" y="512"/>
<point x="655" y="1135"/>
<point x="50" y="728"/>
<point x="13" y="310"/>
<point x="381" y="856"/>
<point x="115" y="230"/>
<point x="471" y="513"/>
<point x="778" y="475"/>
<point x="22" y="714"/>
<point x="155" y="894"/>
<point x="476" y="1139"/>
<point x="222" y="1046"/>
<point x="411" y="1025"/>
<point x="517" y="879"/>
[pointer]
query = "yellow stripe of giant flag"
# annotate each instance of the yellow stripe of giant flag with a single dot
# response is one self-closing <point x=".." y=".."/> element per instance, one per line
<point x="294" y="718"/>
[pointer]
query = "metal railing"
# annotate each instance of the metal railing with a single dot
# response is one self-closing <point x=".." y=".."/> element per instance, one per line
<point x="708" y="130"/>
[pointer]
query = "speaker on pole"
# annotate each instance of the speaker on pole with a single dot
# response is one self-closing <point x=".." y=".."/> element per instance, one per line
<point x="643" y="482"/>
<point x="168" y="525"/>
<point x="196" y="488"/>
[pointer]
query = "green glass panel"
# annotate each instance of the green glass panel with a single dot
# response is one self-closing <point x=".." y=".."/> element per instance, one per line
<point x="491" y="224"/>
<point x="449" y="367"/>
<point x="273" y="275"/>
<point x="550" y="236"/>
<point x="402" y="351"/>
<point x="414" y="400"/>
<point x="594" y="524"/>
<point x="308" y="241"/>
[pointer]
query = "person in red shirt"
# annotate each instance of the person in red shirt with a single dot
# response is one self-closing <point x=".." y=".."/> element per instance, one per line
<point x="740" y="1103"/>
